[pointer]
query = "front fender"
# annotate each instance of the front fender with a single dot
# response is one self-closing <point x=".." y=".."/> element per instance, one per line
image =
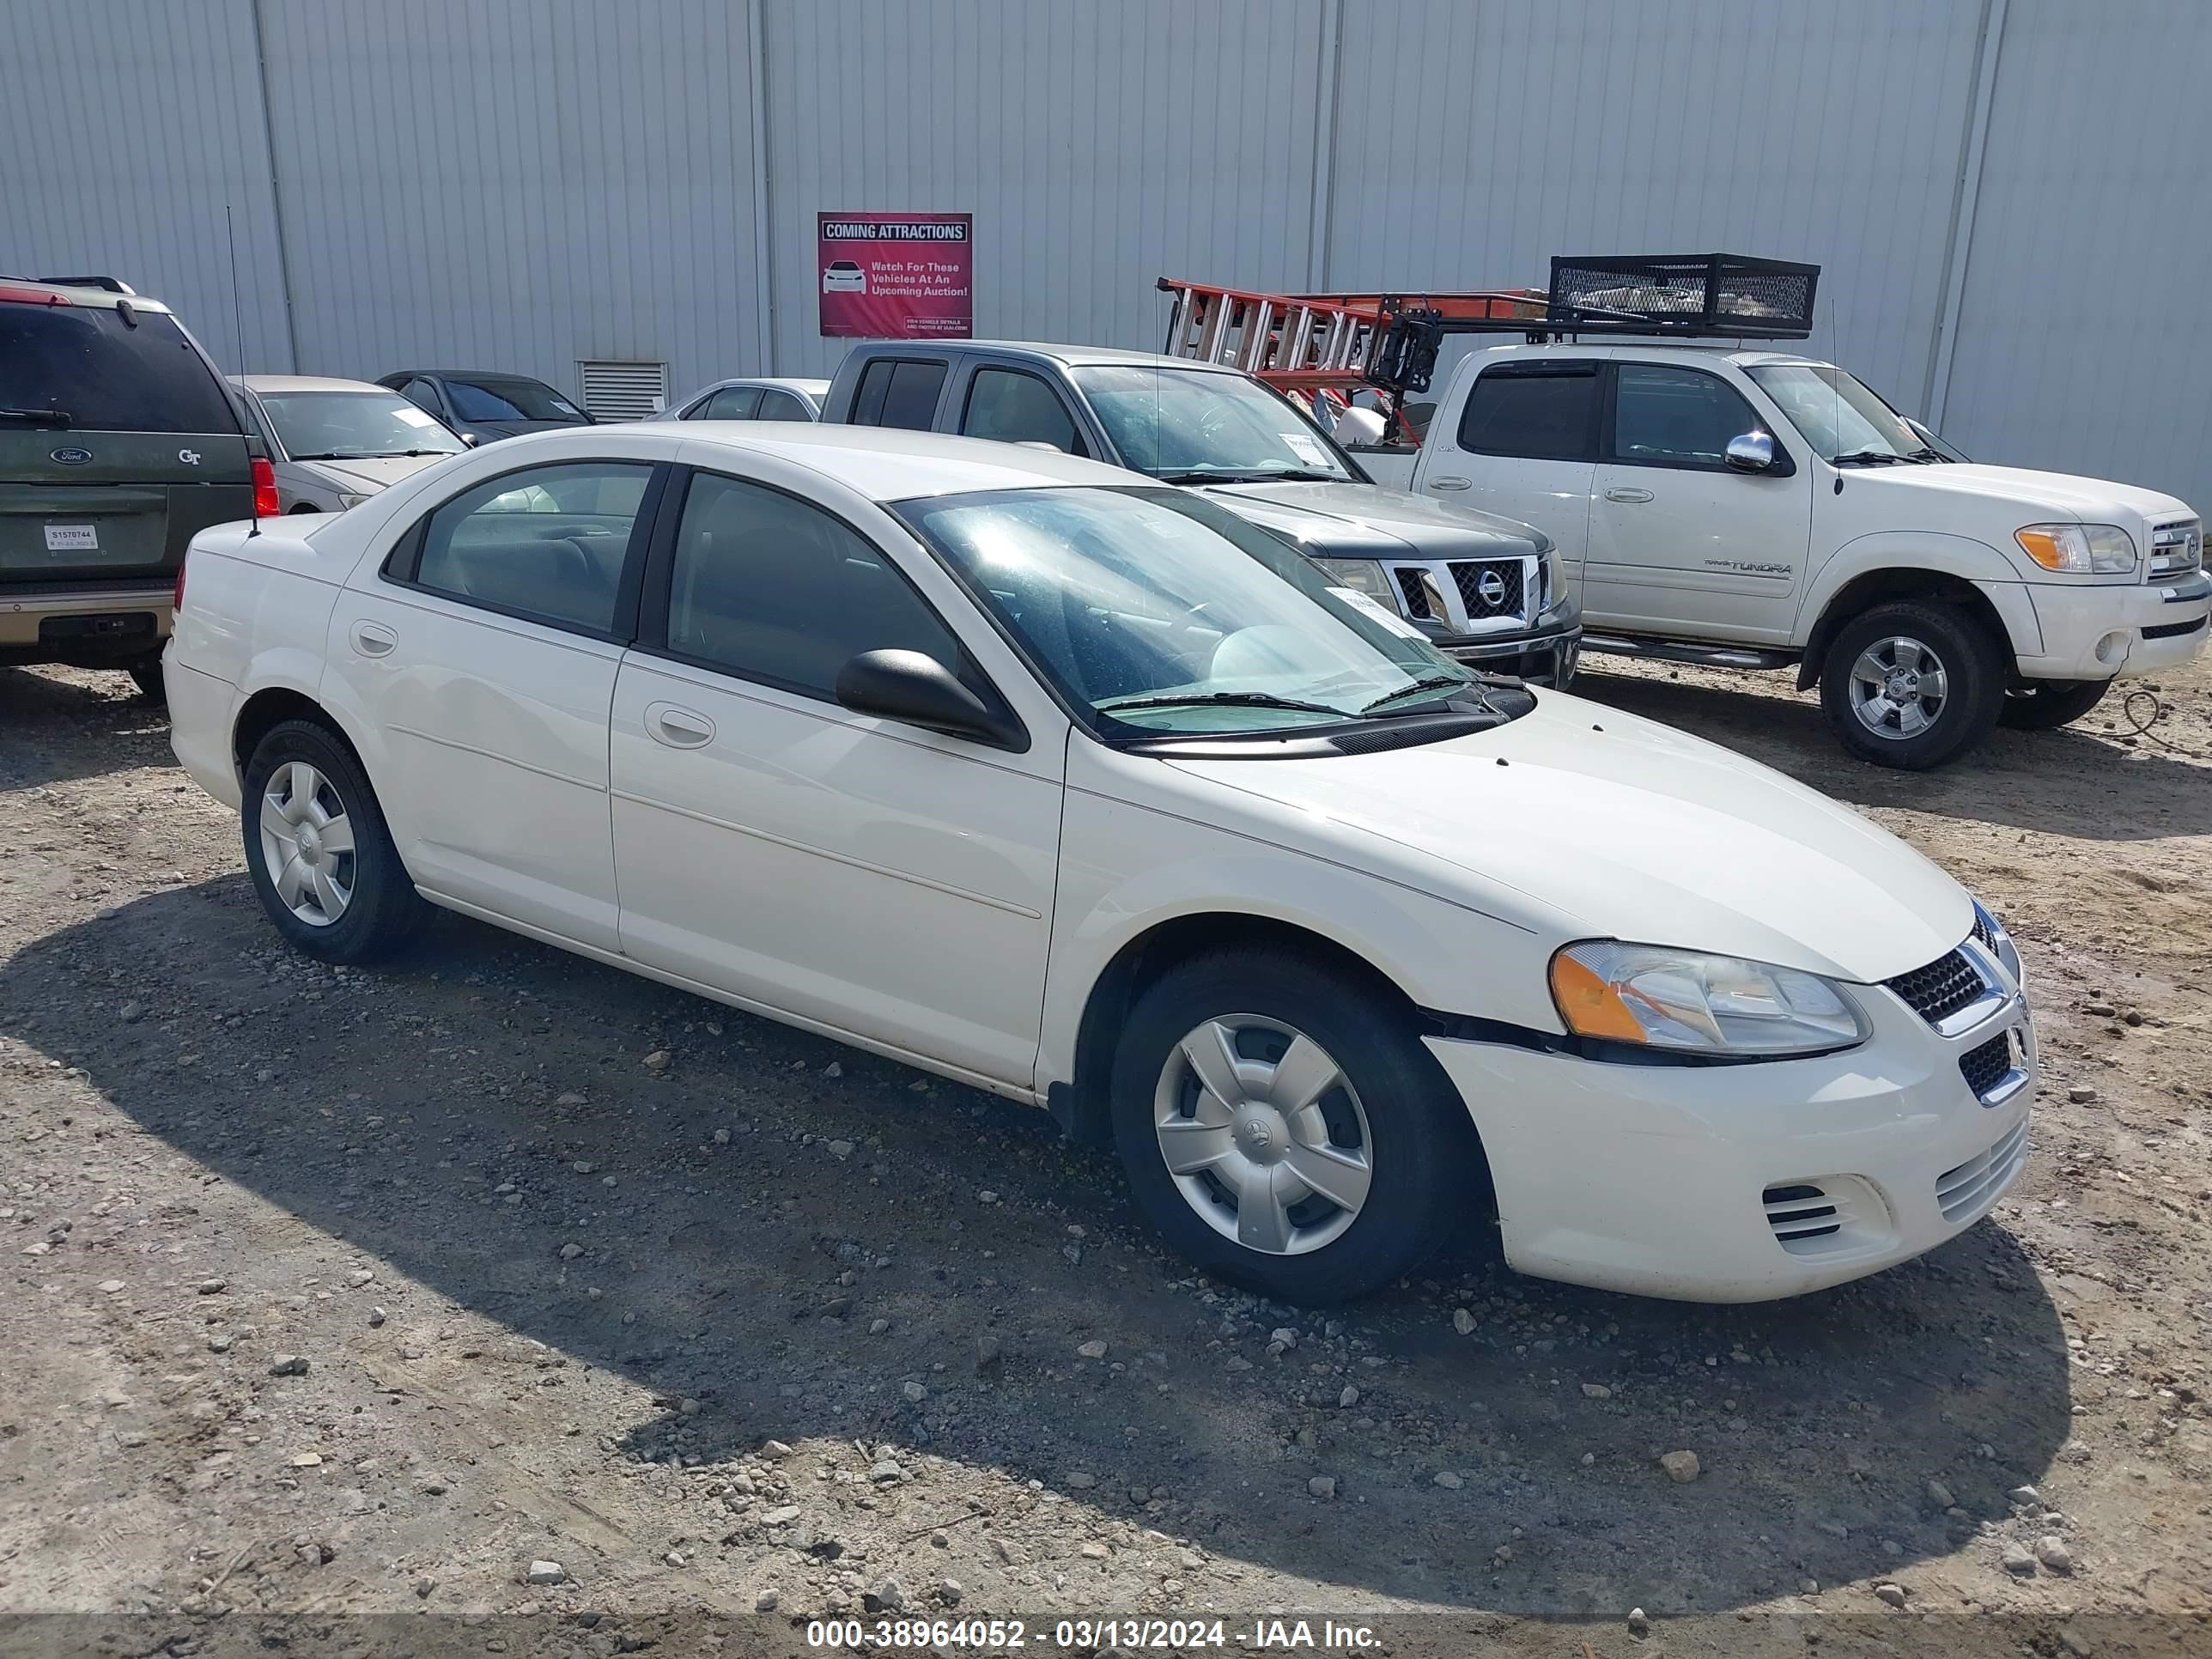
<point x="1991" y="572"/>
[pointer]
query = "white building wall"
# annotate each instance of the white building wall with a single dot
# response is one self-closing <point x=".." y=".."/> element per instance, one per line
<point x="2008" y="196"/>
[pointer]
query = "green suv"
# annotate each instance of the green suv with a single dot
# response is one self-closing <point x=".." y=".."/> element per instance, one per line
<point x="118" y="441"/>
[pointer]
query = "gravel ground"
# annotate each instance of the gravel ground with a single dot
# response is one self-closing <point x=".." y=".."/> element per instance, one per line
<point x="339" y="1306"/>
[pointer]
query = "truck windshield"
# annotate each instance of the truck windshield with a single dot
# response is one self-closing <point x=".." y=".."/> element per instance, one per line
<point x="1161" y="611"/>
<point x="1841" y="416"/>
<point x="1189" y="426"/>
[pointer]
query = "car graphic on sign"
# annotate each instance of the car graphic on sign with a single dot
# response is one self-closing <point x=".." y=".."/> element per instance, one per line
<point x="844" y="276"/>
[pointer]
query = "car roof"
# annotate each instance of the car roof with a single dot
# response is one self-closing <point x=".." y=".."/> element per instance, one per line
<point x="890" y="463"/>
<point x="302" y="383"/>
<point x="783" y="383"/>
<point x="1071" y="355"/>
<point x="472" y="374"/>
<point x="69" y="294"/>
<point x="1662" y="350"/>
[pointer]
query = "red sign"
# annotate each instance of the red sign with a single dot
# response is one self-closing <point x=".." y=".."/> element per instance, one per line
<point x="896" y="275"/>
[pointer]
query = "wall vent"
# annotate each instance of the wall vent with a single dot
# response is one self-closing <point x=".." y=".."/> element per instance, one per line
<point x="623" y="391"/>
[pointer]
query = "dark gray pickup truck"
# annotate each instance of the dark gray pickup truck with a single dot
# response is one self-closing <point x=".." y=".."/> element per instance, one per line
<point x="1484" y="589"/>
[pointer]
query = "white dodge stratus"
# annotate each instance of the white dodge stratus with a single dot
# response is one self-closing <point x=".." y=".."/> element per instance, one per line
<point x="1087" y="793"/>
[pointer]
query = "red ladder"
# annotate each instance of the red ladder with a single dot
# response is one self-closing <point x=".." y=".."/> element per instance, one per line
<point x="1312" y="341"/>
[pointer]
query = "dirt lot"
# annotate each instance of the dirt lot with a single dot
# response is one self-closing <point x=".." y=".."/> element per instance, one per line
<point x="336" y="1294"/>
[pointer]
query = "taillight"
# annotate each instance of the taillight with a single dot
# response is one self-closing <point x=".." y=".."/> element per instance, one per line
<point x="265" y="504"/>
<point x="176" y="598"/>
<point x="31" y="297"/>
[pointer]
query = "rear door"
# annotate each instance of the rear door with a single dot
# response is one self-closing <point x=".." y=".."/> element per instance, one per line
<point x="1525" y="447"/>
<point x="118" y="444"/>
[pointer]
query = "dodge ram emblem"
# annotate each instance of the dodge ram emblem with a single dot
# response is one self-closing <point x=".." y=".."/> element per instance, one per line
<point x="1491" y="588"/>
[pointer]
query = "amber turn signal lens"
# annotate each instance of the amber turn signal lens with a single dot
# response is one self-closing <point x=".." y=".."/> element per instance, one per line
<point x="1589" y="1007"/>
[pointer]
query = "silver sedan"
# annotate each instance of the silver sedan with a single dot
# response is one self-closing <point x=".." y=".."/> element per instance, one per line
<point x="336" y="442"/>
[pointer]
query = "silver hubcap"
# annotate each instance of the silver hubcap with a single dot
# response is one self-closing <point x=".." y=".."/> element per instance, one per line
<point x="307" y="844"/>
<point x="1266" y="1139"/>
<point x="1897" y="688"/>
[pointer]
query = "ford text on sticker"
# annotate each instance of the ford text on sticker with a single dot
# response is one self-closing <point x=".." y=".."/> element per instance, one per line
<point x="1367" y="607"/>
<point x="72" y="538"/>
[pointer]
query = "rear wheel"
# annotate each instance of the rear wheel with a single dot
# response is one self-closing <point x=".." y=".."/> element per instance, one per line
<point x="2042" y="705"/>
<point x="1282" y="1125"/>
<point x="1910" y="684"/>
<point x="147" y="673"/>
<point x="320" y="858"/>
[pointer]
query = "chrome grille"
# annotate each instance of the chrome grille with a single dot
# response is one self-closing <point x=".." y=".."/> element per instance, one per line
<point x="1417" y="594"/>
<point x="1490" y="588"/>
<point x="1985" y="933"/>
<point x="1942" y="988"/>
<point x="1986" y="1066"/>
<point x="1974" y="1185"/>
<point x="2176" y="548"/>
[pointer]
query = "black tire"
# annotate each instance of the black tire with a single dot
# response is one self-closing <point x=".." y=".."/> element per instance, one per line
<point x="146" y="673"/>
<point x="2046" y="705"/>
<point x="1974" y="669"/>
<point x="383" y="912"/>
<point x="1428" y="1180"/>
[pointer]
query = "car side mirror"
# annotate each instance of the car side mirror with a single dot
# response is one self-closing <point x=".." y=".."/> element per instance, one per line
<point x="1752" y="452"/>
<point x="917" y="689"/>
<point x="471" y="440"/>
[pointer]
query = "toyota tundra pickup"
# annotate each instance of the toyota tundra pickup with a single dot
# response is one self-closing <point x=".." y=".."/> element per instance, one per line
<point x="1482" y="588"/>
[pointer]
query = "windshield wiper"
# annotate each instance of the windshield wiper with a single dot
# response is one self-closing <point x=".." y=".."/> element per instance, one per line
<point x="1931" y="456"/>
<point x="56" y="417"/>
<point x="1870" y="458"/>
<point x="1235" y="699"/>
<point x="1433" y="683"/>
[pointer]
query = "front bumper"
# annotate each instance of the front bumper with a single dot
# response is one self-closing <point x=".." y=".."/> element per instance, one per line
<point x="1691" y="1181"/>
<point x="2093" y="631"/>
<point x="1541" y="656"/>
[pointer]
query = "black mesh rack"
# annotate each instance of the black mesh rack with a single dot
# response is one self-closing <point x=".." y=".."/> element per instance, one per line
<point x="1726" y="294"/>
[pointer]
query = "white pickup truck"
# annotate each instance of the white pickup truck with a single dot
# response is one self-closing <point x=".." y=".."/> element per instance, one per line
<point x="1759" y="509"/>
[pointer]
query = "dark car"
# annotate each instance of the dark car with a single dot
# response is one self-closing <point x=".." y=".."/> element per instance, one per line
<point x="485" y="404"/>
<point x="118" y="442"/>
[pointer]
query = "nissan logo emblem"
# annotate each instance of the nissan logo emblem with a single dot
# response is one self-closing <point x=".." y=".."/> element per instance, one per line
<point x="70" y="457"/>
<point x="1491" y="588"/>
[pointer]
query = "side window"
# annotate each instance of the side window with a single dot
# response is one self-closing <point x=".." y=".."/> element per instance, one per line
<point x="1547" y="412"/>
<point x="1677" y="417"/>
<point x="731" y="403"/>
<point x="772" y="588"/>
<point x="897" y="392"/>
<point x="548" y="543"/>
<point x="421" y="393"/>
<point x="1014" y="408"/>
<point x="781" y="406"/>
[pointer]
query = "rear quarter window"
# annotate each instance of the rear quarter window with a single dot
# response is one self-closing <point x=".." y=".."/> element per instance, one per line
<point x="106" y="375"/>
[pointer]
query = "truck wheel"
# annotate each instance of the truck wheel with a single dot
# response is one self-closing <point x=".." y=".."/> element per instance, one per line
<point x="1281" y="1123"/>
<point x="1910" y="684"/>
<point x="320" y="858"/>
<point x="2045" y="705"/>
<point x="147" y="673"/>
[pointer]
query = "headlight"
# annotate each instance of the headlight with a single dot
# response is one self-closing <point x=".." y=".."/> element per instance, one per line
<point x="1361" y="576"/>
<point x="1692" y="1003"/>
<point x="2078" y="549"/>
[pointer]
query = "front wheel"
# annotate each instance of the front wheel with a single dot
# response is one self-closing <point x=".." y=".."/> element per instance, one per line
<point x="320" y="858"/>
<point x="1282" y="1125"/>
<point x="2045" y="705"/>
<point x="1912" y="684"/>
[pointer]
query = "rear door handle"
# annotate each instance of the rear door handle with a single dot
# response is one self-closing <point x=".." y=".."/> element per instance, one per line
<point x="374" y="639"/>
<point x="679" y="729"/>
<point x="1451" y="483"/>
<point x="1627" y="493"/>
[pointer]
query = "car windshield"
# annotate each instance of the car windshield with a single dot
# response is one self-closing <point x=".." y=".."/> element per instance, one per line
<point x="1188" y="425"/>
<point x="1162" y="611"/>
<point x="1839" y="416"/>
<point x="487" y="399"/>
<point x="323" y="426"/>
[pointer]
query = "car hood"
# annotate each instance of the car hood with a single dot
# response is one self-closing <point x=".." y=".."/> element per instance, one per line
<point x="1621" y="828"/>
<point x="2057" y="497"/>
<point x="1358" y="519"/>
<point x="367" y="475"/>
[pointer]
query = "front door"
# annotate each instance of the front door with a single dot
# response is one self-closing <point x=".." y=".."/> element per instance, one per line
<point x="859" y="874"/>
<point x="1681" y="542"/>
<point x="484" y="652"/>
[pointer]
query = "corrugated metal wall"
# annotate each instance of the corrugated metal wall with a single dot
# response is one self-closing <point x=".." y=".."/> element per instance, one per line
<point x="2008" y="195"/>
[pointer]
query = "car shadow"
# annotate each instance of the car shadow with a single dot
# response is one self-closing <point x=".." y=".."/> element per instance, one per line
<point x="2065" y="782"/>
<point x="45" y="719"/>
<point x="745" y="1217"/>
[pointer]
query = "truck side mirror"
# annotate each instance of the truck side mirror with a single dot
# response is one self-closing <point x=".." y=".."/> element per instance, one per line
<point x="1752" y="452"/>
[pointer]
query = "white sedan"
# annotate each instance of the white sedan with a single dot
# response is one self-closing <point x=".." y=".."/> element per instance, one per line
<point x="1082" y="791"/>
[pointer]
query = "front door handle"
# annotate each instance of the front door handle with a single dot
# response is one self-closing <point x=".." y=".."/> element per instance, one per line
<point x="374" y="639"/>
<point x="1627" y="493"/>
<point x="1451" y="483"/>
<point x="679" y="729"/>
